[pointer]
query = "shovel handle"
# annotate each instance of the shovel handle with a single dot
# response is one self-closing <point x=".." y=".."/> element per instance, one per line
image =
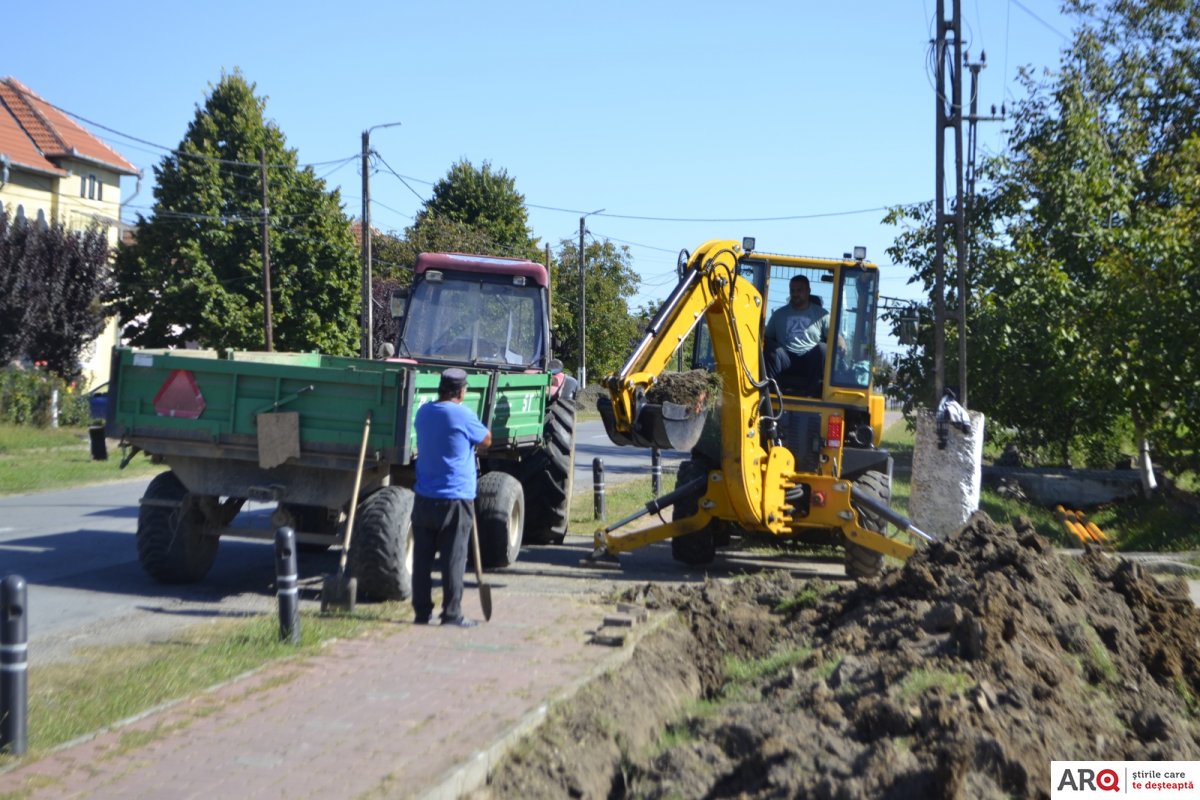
<point x="475" y="547"/>
<point x="362" y="457"/>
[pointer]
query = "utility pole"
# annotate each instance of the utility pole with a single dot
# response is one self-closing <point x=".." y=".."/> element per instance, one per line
<point x="583" y="303"/>
<point x="945" y="118"/>
<point x="368" y="323"/>
<point x="964" y="255"/>
<point x="266" y="256"/>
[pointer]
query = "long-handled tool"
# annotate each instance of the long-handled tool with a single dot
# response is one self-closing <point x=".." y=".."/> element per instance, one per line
<point x="338" y="592"/>
<point x="485" y="591"/>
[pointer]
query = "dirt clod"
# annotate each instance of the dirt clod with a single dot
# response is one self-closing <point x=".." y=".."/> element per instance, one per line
<point x="961" y="674"/>
<point x="697" y="389"/>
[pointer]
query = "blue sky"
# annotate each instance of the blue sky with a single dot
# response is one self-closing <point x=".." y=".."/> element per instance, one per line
<point x="653" y="110"/>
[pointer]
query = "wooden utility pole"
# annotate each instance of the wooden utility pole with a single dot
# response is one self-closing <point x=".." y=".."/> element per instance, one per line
<point x="582" y="311"/>
<point x="266" y="256"/>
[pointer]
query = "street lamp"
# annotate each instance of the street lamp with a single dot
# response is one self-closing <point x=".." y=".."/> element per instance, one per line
<point x="368" y="339"/>
<point x="583" y="304"/>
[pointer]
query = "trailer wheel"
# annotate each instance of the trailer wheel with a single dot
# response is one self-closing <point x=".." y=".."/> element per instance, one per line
<point x="172" y="540"/>
<point x="549" y="475"/>
<point x="861" y="562"/>
<point x="500" y="515"/>
<point x="381" y="551"/>
<point x="699" y="547"/>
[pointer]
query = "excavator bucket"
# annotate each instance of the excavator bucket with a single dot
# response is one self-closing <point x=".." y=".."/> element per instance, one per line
<point x="667" y="425"/>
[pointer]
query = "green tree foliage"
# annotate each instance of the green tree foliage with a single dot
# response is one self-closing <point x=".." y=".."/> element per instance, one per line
<point x="1085" y="295"/>
<point x="51" y="284"/>
<point x="475" y="211"/>
<point x="196" y="271"/>
<point x="612" y="329"/>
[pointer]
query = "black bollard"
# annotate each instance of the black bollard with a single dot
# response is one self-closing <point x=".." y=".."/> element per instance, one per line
<point x="14" y="676"/>
<point x="655" y="471"/>
<point x="598" y="488"/>
<point x="287" y="581"/>
<point x="99" y="446"/>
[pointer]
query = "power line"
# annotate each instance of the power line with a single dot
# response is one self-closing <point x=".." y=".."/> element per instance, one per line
<point x="1045" y="24"/>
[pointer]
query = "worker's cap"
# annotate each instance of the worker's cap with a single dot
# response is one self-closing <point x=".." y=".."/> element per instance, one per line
<point x="453" y="379"/>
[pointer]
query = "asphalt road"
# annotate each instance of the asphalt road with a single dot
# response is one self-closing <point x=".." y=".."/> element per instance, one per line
<point x="76" y="551"/>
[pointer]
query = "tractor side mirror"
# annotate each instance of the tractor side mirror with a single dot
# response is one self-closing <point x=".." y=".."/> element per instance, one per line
<point x="397" y="301"/>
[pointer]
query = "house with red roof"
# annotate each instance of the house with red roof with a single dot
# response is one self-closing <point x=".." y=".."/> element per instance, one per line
<point x="53" y="169"/>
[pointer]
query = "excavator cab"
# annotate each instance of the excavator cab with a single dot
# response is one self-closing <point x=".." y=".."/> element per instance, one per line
<point x="794" y="460"/>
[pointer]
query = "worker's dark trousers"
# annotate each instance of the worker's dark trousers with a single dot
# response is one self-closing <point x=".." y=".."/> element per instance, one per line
<point x="440" y="526"/>
<point x="783" y="364"/>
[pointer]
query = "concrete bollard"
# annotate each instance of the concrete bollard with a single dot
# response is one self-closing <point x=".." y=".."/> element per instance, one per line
<point x="598" y="488"/>
<point x="14" y="676"/>
<point x="287" y="580"/>
<point x="655" y="471"/>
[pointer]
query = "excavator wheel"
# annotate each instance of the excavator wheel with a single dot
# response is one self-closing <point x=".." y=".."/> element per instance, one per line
<point x="861" y="562"/>
<point x="699" y="547"/>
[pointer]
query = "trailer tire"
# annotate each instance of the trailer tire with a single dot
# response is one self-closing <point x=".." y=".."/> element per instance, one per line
<point x="381" y="548"/>
<point x="861" y="562"/>
<point x="500" y="516"/>
<point x="700" y="547"/>
<point x="172" y="544"/>
<point x="549" y="475"/>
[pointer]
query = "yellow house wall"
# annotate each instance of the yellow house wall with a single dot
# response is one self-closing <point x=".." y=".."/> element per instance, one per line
<point x="58" y="199"/>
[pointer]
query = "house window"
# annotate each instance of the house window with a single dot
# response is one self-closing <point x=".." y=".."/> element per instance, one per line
<point x="91" y="187"/>
<point x="99" y="190"/>
<point x="82" y="186"/>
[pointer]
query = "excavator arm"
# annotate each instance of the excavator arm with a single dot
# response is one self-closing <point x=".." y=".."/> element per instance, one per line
<point x="750" y="487"/>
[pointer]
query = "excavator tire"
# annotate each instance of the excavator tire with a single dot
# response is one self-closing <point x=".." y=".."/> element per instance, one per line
<point x="380" y="556"/>
<point x="699" y="547"/>
<point x="549" y="475"/>
<point x="863" y="563"/>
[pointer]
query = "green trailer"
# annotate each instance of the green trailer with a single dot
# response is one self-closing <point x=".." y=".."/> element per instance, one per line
<point x="286" y="429"/>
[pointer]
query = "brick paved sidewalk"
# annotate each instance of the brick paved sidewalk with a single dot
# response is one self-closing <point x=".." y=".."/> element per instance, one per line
<point x="406" y="713"/>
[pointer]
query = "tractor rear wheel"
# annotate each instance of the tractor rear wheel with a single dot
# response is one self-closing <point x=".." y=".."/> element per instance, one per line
<point x="699" y="547"/>
<point x="500" y="516"/>
<point x="549" y="475"/>
<point x="174" y="544"/>
<point x="381" y="548"/>
<point x="861" y="562"/>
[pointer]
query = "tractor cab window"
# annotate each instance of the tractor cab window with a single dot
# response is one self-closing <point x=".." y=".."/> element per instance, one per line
<point x="475" y="321"/>
<point x="855" y="328"/>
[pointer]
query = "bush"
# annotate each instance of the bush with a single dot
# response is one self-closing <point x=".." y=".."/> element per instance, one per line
<point x="25" y="396"/>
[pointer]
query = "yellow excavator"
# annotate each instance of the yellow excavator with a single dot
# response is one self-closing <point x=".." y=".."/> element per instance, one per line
<point x="779" y="455"/>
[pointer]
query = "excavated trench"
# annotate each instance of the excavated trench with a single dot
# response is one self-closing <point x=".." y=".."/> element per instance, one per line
<point x="961" y="674"/>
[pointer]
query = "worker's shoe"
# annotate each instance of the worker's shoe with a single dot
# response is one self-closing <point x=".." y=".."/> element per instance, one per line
<point x="461" y="622"/>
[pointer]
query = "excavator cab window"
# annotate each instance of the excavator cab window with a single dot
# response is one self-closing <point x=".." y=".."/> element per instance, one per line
<point x="855" y="327"/>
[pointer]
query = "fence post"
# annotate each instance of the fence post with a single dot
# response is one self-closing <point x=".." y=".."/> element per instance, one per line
<point x="655" y="471"/>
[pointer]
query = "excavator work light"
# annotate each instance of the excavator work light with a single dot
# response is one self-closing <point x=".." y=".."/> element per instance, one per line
<point x="860" y="253"/>
<point x="748" y="244"/>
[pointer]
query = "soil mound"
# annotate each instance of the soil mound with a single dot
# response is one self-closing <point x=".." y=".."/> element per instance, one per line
<point x="963" y="673"/>
<point x="697" y="389"/>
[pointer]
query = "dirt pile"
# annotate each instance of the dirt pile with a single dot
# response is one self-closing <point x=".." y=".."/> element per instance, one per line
<point x="961" y="674"/>
<point x="697" y="389"/>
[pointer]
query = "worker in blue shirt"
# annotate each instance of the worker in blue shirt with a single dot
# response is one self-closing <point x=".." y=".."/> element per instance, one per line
<point x="447" y="436"/>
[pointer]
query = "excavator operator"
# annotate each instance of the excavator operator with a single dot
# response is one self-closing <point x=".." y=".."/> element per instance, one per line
<point x="795" y="338"/>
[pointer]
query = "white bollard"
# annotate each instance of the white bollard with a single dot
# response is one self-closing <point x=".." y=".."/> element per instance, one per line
<point x="945" y="482"/>
<point x="54" y="408"/>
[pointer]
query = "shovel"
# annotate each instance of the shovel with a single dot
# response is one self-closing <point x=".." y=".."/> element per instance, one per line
<point x="485" y="591"/>
<point x="338" y="592"/>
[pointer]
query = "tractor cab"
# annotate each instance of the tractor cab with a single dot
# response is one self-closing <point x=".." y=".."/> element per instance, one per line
<point x="477" y="311"/>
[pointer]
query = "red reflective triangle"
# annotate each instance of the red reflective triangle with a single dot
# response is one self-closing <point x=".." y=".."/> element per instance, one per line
<point x="179" y="396"/>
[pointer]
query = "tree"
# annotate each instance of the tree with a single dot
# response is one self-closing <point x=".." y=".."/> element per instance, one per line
<point x="609" y="281"/>
<point x="196" y="270"/>
<point x="479" y="207"/>
<point x="1084" y="307"/>
<point x="51" y="284"/>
